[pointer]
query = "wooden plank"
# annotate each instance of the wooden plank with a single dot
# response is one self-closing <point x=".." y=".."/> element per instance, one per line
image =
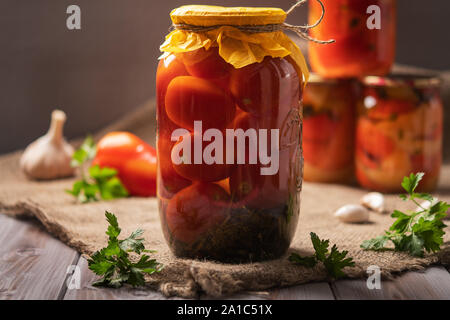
<point x="257" y="295"/>
<point x="33" y="265"/>
<point x="310" y="291"/>
<point x="434" y="284"/>
<point x="87" y="292"/>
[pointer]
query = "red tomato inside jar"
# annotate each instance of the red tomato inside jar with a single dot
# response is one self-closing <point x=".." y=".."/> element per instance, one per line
<point x="399" y="131"/>
<point x="229" y="126"/>
<point x="329" y="114"/>
<point x="365" y="34"/>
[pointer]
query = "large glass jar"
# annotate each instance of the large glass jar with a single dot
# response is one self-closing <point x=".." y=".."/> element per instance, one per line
<point x="329" y="114"/>
<point x="229" y="152"/>
<point x="399" y="131"/>
<point x="358" y="50"/>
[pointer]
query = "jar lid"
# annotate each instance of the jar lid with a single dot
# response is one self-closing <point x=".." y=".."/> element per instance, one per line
<point x="207" y="16"/>
<point x="401" y="80"/>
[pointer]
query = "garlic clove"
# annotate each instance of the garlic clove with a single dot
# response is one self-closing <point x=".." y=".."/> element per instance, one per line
<point x="373" y="201"/>
<point x="352" y="213"/>
<point x="49" y="156"/>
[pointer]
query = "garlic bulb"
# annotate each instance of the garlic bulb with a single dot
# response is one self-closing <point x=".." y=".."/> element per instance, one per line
<point x="373" y="201"/>
<point x="352" y="213"/>
<point x="49" y="156"/>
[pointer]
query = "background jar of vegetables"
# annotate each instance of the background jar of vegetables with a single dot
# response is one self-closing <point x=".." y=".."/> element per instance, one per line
<point x="329" y="114"/>
<point x="229" y="210"/>
<point x="399" y="131"/>
<point x="365" y="39"/>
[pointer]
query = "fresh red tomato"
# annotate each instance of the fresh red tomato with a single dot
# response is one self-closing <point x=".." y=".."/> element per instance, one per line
<point x="134" y="160"/>
<point x="206" y="63"/>
<point x="195" y="210"/>
<point x="266" y="88"/>
<point x="115" y="148"/>
<point x="139" y="175"/>
<point x="200" y="172"/>
<point x="190" y="99"/>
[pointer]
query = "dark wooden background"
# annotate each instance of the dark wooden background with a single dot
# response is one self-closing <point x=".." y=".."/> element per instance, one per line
<point x="107" y="69"/>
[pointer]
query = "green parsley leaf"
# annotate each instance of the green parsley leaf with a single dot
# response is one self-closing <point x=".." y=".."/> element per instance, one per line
<point x="423" y="196"/>
<point x="414" y="232"/>
<point x="402" y="221"/>
<point x="113" y="262"/>
<point x="410" y="183"/>
<point x="101" y="182"/>
<point x="410" y="243"/>
<point x="113" y="230"/>
<point x="86" y="152"/>
<point x="303" y="261"/>
<point x="377" y="243"/>
<point x="133" y="242"/>
<point x="112" y="189"/>
<point x="102" y="174"/>
<point x="320" y="246"/>
<point x="334" y="261"/>
<point x="440" y="207"/>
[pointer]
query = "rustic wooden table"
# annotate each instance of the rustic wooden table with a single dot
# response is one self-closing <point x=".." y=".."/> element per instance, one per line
<point x="34" y="265"/>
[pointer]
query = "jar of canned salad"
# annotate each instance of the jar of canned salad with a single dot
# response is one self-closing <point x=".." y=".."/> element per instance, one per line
<point x="329" y="115"/>
<point x="365" y="34"/>
<point x="399" y="131"/>
<point x="228" y="137"/>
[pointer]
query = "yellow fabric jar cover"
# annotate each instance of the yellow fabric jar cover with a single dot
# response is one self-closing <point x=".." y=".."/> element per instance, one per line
<point x="236" y="47"/>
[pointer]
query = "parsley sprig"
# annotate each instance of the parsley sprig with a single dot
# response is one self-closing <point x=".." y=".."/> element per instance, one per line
<point x="414" y="232"/>
<point x="100" y="182"/>
<point x="113" y="262"/>
<point x="333" y="260"/>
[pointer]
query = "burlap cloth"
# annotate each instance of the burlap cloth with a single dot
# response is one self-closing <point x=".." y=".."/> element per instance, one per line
<point x="82" y="226"/>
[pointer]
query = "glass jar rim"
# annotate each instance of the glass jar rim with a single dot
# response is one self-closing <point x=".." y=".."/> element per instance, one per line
<point x="315" y="78"/>
<point x="402" y="80"/>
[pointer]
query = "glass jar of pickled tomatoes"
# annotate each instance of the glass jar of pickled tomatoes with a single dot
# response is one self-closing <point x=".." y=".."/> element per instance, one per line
<point x="365" y="34"/>
<point x="228" y="137"/>
<point x="399" y="131"/>
<point x="329" y="115"/>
